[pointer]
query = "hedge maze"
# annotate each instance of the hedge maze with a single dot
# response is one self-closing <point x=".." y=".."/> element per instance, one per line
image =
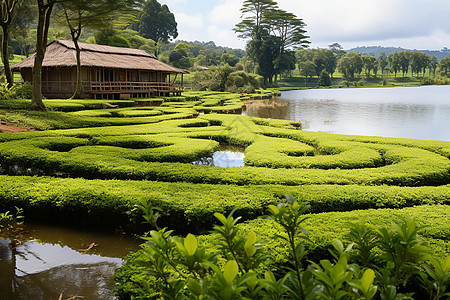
<point x="109" y="166"/>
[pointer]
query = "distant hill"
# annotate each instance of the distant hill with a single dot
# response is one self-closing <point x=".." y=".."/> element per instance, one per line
<point x="376" y="50"/>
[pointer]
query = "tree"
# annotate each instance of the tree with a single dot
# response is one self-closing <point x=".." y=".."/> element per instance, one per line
<point x="264" y="51"/>
<point x="307" y="69"/>
<point x="229" y="59"/>
<point x="179" y="57"/>
<point x="433" y="64"/>
<point x="156" y="22"/>
<point x="288" y="28"/>
<point x="271" y="32"/>
<point x="79" y="14"/>
<point x="324" y="79"/>
<point x="330" y="61"/>
<point x="337" y="50"/>
<point x="284" y="63"/>
<point x="404" y="61"/>
<point x="445" y="65"/>
<point x="370" y="63"/>
<point x="253" y="13"/>
<point x="8" y="14"/>
<point x="383" y="62"/>
<point x="349" y="64"/>
<point x="394" y="61"/>
<point x="45" y="8"/>
<point x="419" y="62"/>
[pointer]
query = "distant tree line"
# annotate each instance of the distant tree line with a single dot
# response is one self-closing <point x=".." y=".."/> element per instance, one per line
<point x="325" y="62"/>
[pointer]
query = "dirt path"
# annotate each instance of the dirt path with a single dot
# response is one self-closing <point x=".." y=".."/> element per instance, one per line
<point x="8" y="127"/>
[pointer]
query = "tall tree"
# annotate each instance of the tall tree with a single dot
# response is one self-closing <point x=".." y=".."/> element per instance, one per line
<point x="156" y="22"/>
<point x="253" y="13"/>
<point x="8" y="13"/>
<point x="288" y="28"/>
<point x="79" y="14"/>
<point x="45" y="8"/>
<point x="271" y="32"/>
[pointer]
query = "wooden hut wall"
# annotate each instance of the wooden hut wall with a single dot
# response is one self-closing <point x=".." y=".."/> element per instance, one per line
<point x="27" y="75"/>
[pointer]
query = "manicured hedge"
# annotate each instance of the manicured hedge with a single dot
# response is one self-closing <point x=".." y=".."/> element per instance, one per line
<point x="337" y="159"/>
<point x="190" y="207"/>
<point x="325" y="227"/>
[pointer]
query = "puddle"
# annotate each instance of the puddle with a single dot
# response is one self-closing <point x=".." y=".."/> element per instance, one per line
<point x="228" y="156"/>
<point x="51" y="261"/>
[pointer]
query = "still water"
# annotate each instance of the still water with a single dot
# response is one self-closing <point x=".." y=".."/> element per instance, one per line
<point x="51" y="262"/>
<point x="404" y="112"/>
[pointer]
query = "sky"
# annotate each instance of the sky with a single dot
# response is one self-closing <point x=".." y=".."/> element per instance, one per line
<point x="411" y="24"/>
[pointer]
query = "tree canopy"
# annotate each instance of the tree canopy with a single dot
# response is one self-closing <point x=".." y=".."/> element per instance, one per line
<point x="156" y="22"/>
<point x="271" y="33"/>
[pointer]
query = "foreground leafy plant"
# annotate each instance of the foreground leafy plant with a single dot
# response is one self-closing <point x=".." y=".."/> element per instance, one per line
<point x="182" y="268"/>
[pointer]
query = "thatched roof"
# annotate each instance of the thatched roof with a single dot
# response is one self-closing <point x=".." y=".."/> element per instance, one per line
<point x="61" y="54"/>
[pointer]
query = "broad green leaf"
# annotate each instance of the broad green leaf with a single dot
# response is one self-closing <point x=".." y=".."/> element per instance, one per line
<point x="248" y="246"/>
<point x="367" y="280"/>
<point x="273" y="209"/>
<point x="230" y="271"/>
<point x="220" y="217"/>
<point x="190" y="242"/>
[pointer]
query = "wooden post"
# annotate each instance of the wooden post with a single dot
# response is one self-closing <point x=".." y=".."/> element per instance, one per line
<point x="59" y="78"/>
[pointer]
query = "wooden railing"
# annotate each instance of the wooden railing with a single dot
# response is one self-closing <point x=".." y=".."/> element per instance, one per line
<point x="134" y="87"/>
<point x="112" y="87"/>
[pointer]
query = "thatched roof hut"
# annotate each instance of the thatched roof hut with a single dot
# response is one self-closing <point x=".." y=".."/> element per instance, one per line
<point x="102" y="67"/>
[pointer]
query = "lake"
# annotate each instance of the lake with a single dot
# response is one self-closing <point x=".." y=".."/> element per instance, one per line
<point x="403" y="112"/>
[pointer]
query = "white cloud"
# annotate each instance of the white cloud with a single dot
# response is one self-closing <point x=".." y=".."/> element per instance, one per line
<point x="224" y="37"/>
<point x="360" y="21"/>
<point x="173" y="3"/>
<point x="226" y="13"/>
<point x="185" y="21"/>
<point x="417" y="24"/>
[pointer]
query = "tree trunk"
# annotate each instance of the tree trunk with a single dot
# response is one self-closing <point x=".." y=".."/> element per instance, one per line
<point x="5" y="57"/>
<point x="36" y="100"/>
<point x="44" y="10"/>
<point x="78" y="89"/>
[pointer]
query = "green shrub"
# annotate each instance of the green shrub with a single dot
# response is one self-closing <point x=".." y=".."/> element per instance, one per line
<point x="236" y="263"/>
<point x="24" y="90"/>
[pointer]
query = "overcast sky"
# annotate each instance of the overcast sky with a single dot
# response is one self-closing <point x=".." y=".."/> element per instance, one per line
<point x="412" y="24"/>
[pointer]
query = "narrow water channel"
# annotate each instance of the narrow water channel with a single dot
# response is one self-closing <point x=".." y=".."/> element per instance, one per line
<point x="228" y="156"/>
<point x="50" y="262"/>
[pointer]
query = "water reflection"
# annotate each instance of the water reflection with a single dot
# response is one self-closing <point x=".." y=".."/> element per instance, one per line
<point x="418" y="112"/>
<point x="228" y="156"/>
<point x="51" y="261"/>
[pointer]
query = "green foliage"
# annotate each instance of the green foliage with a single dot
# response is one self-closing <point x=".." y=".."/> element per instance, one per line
<point x="324" y="79"/>
<point x="214" y="79"/>
<point x="186" y="268"/>
<point x="156" y="22"/>
<point x="24" y="90"/>
<point x="10" y="226"/>
<point x="6" y="93"/>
